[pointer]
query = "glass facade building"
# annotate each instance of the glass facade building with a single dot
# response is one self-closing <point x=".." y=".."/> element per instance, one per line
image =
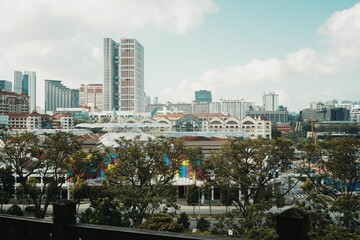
<point x="26" y="83"/>
<point x="59" y="96"/>
<point x="202" y="96"/>
<point x="6" y="85"/>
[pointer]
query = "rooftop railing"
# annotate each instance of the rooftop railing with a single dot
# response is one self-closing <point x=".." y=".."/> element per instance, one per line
<point x="291" y="224"/>
<point x="64" y="227"/>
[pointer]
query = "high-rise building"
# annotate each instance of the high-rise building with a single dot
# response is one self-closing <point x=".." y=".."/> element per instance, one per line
<point x="59" y="96"/>
<point x="6" y="85"/>
<point x="26" y="83"/>
<point x="215" y="107"/>
<point x="124" y="75"/>
<point x="147" y="100"/>
<point x="202" y="96"/>
<point x="236" y="108"/>
<point x="271" y="101"/>
<point x="18" y="76"/>
<point x="111" y="75"/>
<point x="91" y="95"/>
<point x="201" y="107"/>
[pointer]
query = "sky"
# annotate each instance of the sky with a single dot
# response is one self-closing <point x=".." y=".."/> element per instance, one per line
<point x="303" y="50"/>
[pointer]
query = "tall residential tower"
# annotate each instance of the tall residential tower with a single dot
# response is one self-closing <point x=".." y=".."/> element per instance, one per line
<point x="123" y="75"/>
<point x="271" y="101"/>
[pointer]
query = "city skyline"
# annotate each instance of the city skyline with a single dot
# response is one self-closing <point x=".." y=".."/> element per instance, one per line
<point x="304" y="51"/>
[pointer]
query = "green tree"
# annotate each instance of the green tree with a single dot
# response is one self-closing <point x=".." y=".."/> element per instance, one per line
<point x="203" y="224"/>
<point x="192" y="196"/>
<point x="104" y="209"/>
<point x="319" y="213"/>
<point x="54" y="160"/>
<point x="206" y="190"/>
<point x="162" y="222"/>
<point x="275" y="132"/>
<point x="79" y="191"/>
<point x="332" y="166"/>
<point x="184" y="220"/>
<point x="15" y="210"/>
<point x="333" y="232"/>
<point x="347" y="210"/>
<point x="7" y="186"/>
<point x="142" y="176"/>
<point x="246" y="171"/>
<point x="226" y="196"/>
<point x="263" y="233"/>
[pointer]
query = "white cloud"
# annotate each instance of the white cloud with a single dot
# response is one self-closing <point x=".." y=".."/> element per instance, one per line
<point x="56" y="38"/>
<point x="343" y="28"/>
<point x="303" y="67"/>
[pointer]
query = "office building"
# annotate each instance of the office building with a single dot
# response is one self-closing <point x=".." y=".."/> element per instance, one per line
<point x="25" y="82"/>
<point x="202" y="96"/>
<point x="215" y="107"/>
<point x="340" y="114"/>
<point x="271" y="101"/>
<point x="18" y="76"/>
<point x="236" y="108"/>
<point x="91" y="96"/>
<point x="201" y="107"/>
<point x="59" y="96"/>
<point x="123" y="75"/>
<point x="279" y="116"/>
<point x="6" y="85"/>
<point x="147" y="100"/>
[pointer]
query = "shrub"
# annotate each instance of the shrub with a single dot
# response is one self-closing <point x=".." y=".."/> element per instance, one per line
<point x="15" y="210"/>
<point x="184" y="220"/>
<point x="202" y="224"/>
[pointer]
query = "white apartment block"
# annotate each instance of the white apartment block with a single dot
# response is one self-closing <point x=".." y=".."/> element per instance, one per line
<point x="33" y="121"/>
<point x="236" y="108"/>
<point x="18" y="120"/>
<point x="63" y="121"/>
<point x="91" y="95"/>
<point x="355" y="115"/>
<point x="271" y="101"/>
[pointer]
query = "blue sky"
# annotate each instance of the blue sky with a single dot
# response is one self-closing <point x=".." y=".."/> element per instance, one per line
<point x="304" y="50"/>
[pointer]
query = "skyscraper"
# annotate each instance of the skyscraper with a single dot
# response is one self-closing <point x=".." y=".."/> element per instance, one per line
<point x="59" y="96"/>
<point x="271" y="101"/>
<point x="26" y="83"/>
<point x="236" y="108"/>
<point x="202" y="96"/>
<point x="124" y="75"/>
<point x="111" y="75"/>
<point x="18" y="81"/>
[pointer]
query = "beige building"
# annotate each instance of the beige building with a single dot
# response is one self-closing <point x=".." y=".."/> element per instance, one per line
<point x="91" y="96"/>
<point x="11" y="102"/>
